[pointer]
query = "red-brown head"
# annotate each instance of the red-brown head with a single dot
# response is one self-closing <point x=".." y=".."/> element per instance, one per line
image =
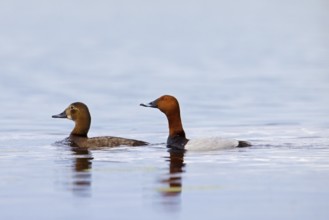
<point x="170" y="107"/>
<point x="167" y="104"/>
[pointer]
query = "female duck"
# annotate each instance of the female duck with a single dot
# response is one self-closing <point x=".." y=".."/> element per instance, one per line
<point x="177" y="139"/>
<point x="79" y="113"/>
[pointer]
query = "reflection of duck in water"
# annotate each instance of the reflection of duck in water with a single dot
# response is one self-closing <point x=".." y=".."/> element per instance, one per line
<point x="177" y="139"/>
<point x="79" y="113"/>
<point x="176" y="164"/>
<point x="82" y="171"/>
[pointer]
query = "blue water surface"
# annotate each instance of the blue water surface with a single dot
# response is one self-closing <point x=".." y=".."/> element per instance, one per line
<point x="251" y="70"/>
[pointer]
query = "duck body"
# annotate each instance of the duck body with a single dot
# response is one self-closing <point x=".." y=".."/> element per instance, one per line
<point x="204" y="144"/>
<point x="104" y="141"/>
<point x="79" y="113"/>
<point x="177" y="139"/>
<point x="214" y="143"/>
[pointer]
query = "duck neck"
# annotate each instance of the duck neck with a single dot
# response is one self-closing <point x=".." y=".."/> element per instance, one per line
<point x="175" y="125"/>
<point x="81" y="127"/>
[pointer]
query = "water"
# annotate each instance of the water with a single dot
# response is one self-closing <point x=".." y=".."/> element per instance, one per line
<point x="255" y="71"/>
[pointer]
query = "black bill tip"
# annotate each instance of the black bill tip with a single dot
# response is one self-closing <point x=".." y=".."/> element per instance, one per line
<point x="61" y="115"/>
<point x="151" y="104"/>
<point x="144" y="105"/>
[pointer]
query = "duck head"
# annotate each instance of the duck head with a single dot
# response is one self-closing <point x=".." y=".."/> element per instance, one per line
<point x="79" y="113"/>
<point x="167" y="104"/>
<point x="170" y="107"/>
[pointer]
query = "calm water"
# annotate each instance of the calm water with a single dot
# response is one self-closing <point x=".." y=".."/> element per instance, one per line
<point x="253" y="70"/>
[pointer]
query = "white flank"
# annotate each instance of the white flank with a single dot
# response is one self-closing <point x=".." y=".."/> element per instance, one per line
<point x="212" y="143"/>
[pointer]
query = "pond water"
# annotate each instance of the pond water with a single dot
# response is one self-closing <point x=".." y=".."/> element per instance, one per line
<point x="255" y="71"/>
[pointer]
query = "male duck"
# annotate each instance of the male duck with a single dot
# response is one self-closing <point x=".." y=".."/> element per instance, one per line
<point x="79" y="113"/>
<point x="177" y="139"/>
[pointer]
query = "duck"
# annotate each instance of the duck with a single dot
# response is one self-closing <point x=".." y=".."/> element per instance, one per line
<point x="79" y="113"/>
<point x="177" y="140"/>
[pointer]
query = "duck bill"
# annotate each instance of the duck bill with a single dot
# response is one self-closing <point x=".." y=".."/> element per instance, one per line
<point x="151" y="104"/>
<point x="61" y="115"/>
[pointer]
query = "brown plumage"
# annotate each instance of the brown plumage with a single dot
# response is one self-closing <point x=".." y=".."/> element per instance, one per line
<point x="170" y="107"/>
<point x="79" y="113"/>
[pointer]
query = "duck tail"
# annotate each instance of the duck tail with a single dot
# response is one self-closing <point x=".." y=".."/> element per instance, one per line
<point x="244" y="144"/>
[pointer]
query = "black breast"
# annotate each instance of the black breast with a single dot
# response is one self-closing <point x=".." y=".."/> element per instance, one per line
<point x="176" y="142"/>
